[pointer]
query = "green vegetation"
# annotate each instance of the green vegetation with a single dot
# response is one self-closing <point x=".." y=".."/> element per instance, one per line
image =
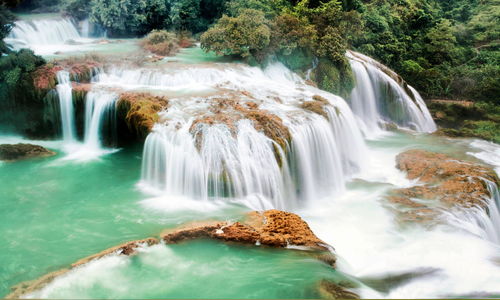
<point x="161" y="42"/>
<point x="468" y="119"/>
<point x="446" y="49"/>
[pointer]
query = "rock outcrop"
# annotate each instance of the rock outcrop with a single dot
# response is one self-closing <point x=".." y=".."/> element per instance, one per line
<point x="140" y="111"/>
<point x="13" y="152"/>
<point x="271" y="228"/>
<point x="446" y="183"/>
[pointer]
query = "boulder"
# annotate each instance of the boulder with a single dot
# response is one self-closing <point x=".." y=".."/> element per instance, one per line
<point x="13" y="152"/>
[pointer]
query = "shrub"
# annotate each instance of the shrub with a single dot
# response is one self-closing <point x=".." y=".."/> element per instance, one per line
<point x="246" y="35"/>
<point x="161" y="42"/>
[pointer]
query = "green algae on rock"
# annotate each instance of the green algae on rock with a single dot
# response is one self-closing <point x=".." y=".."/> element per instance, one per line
<point x="13" y="152"/>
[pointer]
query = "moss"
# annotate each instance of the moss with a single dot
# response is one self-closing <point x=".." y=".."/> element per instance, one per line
<point x="467" y="119"/>
<point x="334" y="78"/>
<point x="45" y="77"/>
<point x="140" y="111"/>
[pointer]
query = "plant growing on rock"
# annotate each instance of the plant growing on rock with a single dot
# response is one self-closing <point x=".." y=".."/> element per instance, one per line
<point x="161" y="42"/>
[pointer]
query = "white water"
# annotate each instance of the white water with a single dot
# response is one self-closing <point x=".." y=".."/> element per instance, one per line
<point x="49" y="36"/>
<point x="99" y="112"/>
<point x="64" y="91"/>
<point x="242" y="165"/>
<point x="377" y="98"/>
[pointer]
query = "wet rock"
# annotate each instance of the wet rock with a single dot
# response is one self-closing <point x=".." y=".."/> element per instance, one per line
<point x="13" y="152"/>
<point x="229" y="110"/>
<point x="272" y="228"/>
<point x="331" y="290"/>
<point x="316" y="106"/>
<point x="446" y="183"/>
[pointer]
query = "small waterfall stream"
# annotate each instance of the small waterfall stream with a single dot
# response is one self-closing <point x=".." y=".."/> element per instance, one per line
<point x="99" y="108"/>
<point x="64" y="91"/>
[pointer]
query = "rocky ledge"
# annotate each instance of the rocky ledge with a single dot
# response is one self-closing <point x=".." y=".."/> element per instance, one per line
<point x="271" y="228"/>
<point x="13" y="152"/>
<point x="446" y="182"/>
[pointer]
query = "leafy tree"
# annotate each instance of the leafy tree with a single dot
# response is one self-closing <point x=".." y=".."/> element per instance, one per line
<point x="441" y="41"/>
<point x="247" y="34"/>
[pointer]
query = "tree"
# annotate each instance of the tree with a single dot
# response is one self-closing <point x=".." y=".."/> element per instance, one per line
<point x="246" y="35"/>
<point x="441" y="41"/>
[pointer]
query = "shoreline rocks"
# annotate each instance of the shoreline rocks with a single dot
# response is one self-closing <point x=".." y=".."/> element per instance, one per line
<point x="14" y="152"/>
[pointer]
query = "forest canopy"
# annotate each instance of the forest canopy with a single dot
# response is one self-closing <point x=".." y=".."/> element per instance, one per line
<point x="445" y="48"/>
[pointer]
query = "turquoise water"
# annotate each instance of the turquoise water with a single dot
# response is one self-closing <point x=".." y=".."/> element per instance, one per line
<point x="55" y="212"/>
<point x="197" y="269"/>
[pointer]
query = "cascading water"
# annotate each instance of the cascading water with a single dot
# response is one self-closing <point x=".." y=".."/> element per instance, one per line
<point x="99" y="109"/>
<point x="379" y="98"/>
<point x="215" y="161"/>
<point x="100" y="113"/>
<point x="36" y="34"/>
<point x="64" y="91"/>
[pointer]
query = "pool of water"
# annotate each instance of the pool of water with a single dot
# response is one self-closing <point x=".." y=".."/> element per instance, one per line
<point x="197" y="269"/>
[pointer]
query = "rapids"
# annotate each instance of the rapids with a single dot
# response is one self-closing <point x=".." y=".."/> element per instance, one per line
<point x="334" y="171"/>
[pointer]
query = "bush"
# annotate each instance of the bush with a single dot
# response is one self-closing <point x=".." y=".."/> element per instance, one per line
<point x="161" y="42"/>
<point x="246" y="35"/>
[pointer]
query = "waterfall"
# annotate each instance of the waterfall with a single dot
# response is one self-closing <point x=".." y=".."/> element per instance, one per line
<point x="381" y="96"/>
<point x="42" y="32"/>
<point x="225" y="166"/>
<point x="99" y="110"/>
<point x="85" y="28"/>
<point x="99" y="118"/>
<point x="237" y="161"/>
<point x="64" y="91"/>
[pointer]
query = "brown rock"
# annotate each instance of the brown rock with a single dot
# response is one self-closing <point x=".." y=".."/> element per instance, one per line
<point x="272" y="228"/>
<point x="13" y="152"/>
<point x="447" y="182"/>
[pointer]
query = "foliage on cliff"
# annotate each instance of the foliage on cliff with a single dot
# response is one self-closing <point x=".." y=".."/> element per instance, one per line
<point x="140" y="111"/>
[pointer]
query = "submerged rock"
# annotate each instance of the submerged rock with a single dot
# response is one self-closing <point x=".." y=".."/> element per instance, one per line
<point x="446" y="183"/>
<point x="12" y="152"/>
<point x="128" y="248"/>
<point x="271" y="228"/>
<point x="330" y="290"/>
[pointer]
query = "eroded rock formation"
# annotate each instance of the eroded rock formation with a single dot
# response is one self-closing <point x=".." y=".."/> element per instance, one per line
<point x="13" y="152"/>
<point x="446" y="183"/>
<point x="272" y="228"/>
